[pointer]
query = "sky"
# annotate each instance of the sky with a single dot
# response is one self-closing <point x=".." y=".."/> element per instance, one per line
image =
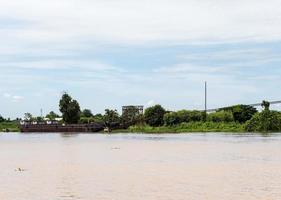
<point x="110" y="53"/>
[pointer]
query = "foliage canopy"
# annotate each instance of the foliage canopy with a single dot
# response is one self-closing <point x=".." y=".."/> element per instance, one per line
<point x="154" y="116"/>
<point x="87" y="113"/>
<point x="70" y="109"/>
<point x="221" y="116"/>
<point x="241" y="113"/>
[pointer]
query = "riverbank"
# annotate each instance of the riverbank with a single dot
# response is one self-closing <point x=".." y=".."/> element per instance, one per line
<point x="9" y="127"/>
<point x="191" y="127"/>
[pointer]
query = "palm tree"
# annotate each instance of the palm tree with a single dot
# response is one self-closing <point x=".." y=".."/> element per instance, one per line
<point x="265" y="105"/>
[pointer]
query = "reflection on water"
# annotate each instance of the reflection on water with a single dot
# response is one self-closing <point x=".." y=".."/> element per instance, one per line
<point x="128" y="166"/>
<point x="69" y="135"/>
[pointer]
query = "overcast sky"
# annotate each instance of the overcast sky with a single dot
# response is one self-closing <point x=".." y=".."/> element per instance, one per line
<point x="109" y="53"/>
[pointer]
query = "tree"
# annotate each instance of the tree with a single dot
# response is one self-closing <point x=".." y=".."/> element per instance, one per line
<point x="264" y="121"/>
<point x="1" y="119"/>
<point x="87" y="113"/>
<point x="154" y="116"/>
<point x="111" y="118"/>
<point x="131" y="116"/>
<point x="70" y="109"/>
<point x="39" y="119"/>
<point x="28" y="117"/>
<point x="190" y="116"/>
<point x="183" y="116"/>
<point x="98" y="117"/>
<point x="265" y="105"/>
<point x="86" y="120"/>
<point x="242" y="113"/>
<point x="52" y="115"/>
<point x="171" y="118"/>
<point x="220" y="116"/>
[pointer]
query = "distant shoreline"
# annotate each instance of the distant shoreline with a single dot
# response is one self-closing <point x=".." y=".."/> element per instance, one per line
<point x="192" y="127"/>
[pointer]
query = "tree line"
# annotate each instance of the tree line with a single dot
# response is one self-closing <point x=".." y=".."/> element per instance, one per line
<point x="156" y="116"/>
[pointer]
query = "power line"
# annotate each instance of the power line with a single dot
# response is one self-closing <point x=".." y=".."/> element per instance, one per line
<point x="254" y="105"/>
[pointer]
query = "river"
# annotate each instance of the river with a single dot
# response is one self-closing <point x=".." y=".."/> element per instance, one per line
<point x="139" y="167"/>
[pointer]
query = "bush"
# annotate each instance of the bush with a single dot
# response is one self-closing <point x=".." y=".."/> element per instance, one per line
<point x="190" y="127"/>
<point x="266" y="121"/>
<point x="111" y="118"/>
<point x="98" y="118"/>
<point x="190" y="116"/>
<point x="131" y="116"/>
<point x="86" y="120"/>
<point x="154" y="116"/>
<point x="210" y="127"/>
<point x="10" y="126"/>
<point x="1" y="119"/>
<point x="241" y="113"/>
<point x="174" y="118"/>
<point x="171" y="118"/>
<point x="221" y="116"/>
<point x="87" y="113"/>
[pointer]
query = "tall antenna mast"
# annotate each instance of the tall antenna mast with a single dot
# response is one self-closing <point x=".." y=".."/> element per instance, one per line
<point x="205" y="96"/>
<point x="205" y="111"/>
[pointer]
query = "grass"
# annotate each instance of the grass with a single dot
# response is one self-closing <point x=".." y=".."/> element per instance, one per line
<point x="10" y="126"/>
<point x="190" y="127"/>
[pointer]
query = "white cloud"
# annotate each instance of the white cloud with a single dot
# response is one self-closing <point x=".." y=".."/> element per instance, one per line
<point x="17" y="98"/>
<point x="232" y="55"/>
<point x="133" y="21"/>
<point x="13" y="98"/>
<point x="51" y="64"/>
<point x="187" y="68"/>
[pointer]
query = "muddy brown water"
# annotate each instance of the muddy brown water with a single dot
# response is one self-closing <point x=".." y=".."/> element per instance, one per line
<point x="128" y="167"/>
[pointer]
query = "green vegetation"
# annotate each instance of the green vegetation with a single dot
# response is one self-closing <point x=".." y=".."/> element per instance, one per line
<point x="220" y="116"/>
<point x="9" y="126"/>
<point x="131" y="116"/>
<point x="1" y="119"/>
<point x="52" y="115"/>
<point x="70" y="109"/>
<point x="154" y="116"/>
<point x="111" y="118"/>
<point x="6" y="125"/>
<point x="265" y="121"/>
<point x="175" y="118"/>
<point x="190" y="127"/>
<point x="241" y="113"/>
<point x="237" y="118"/>
<point x="87" y="113"/>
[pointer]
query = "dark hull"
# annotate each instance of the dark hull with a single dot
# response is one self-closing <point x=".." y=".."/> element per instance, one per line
<point x="55" y="128"/>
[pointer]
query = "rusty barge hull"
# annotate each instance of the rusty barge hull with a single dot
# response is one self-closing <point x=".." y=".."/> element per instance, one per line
<point x="56" y="128"/>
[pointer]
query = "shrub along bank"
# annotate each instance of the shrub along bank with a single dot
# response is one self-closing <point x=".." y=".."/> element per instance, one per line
<point x="265" y="121"/>
<point x="9" y="127"/>
<point x="190" y="127"/>
<point x="239" y="118"/>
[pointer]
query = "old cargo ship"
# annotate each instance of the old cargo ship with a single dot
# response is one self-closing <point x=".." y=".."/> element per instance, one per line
<point x="60" y="128"/>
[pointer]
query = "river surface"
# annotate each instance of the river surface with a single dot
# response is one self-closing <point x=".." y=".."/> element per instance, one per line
<point x="139" y="167"/>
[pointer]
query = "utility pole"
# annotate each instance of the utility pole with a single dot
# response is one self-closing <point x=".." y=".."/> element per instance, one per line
<point x="205" y="96"/>
<point x="205" y="113"/>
